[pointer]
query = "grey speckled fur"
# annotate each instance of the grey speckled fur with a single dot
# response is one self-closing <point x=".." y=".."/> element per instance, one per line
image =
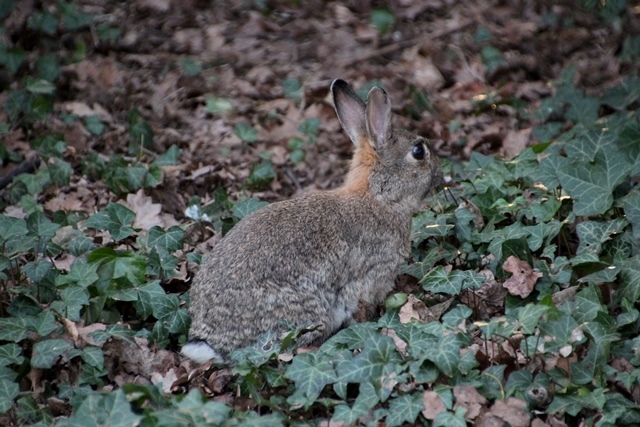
<point x="309" y="261"/>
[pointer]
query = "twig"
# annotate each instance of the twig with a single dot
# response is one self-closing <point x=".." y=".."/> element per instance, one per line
<point x="29" y="165"/>
<point x="404" y="44"/>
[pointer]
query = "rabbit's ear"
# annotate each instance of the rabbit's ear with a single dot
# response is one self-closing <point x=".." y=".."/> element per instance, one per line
<point x="350" y="110"/>
<point x="378" y="117"/>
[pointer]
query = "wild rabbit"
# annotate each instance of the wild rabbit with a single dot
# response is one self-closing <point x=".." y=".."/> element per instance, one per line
<point x="308" y="261"/>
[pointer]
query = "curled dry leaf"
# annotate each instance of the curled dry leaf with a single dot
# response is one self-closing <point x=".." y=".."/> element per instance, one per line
<point x="512" y="411"/>
<point x="433" y="405"/>
<point x="523" y="278"/>
<point x="468" y="397"/>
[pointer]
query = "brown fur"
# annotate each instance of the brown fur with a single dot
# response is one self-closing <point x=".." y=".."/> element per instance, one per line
<point x="364" y="160"/>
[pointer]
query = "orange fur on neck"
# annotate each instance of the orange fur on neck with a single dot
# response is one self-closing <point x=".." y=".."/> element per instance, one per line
<point x="363" y="162"/>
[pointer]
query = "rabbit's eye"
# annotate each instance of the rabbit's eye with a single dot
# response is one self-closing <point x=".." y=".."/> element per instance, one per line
<point x="418" y="151"/>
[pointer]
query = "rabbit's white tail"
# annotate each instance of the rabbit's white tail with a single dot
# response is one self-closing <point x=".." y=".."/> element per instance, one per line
<point x="200" y="352"/>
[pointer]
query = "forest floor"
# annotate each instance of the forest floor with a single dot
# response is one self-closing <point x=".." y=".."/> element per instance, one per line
<point x="230" y="82"/>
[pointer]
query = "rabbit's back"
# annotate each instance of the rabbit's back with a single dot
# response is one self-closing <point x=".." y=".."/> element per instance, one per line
<point x="305" y="261"/>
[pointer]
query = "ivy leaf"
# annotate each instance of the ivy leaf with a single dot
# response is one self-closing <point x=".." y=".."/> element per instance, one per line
<point x="46" y="352"/>
<point x="41" y="226"/>
<point x="147" y="294"/>
<point x="404" y="409"/>
<point x="247" y="206"/>
<point x="10" y="354"/>
<point x="37" y="270"/>
<point x="631" y="206"/>
<point x="446" y="355"/>
<point x="44" y="323"/>
<point x="104" y="410"/>
<point x="529" y="315"/>
<point x="452" y="283"/>
<point x="261" y="175"/>
<point x="9" y="390"/>
<point x="14" y="329"/>
<point x="93" y="356"/>
<point x="171" y="240"/>
<point x="630" y="279"/>
<point x="591" y="184"/>
<point x="378" y="351"/>
<point x="115" y="218"/>
<point x="592" y="235"/>
<point x="311" y="372"/>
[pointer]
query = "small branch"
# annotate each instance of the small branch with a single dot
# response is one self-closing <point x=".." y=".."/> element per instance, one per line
<point x="28" y="166"/>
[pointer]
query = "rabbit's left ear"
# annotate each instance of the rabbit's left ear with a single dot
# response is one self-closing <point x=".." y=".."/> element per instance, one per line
<point x="350" y="110"/>
<point x="378" y="117"/>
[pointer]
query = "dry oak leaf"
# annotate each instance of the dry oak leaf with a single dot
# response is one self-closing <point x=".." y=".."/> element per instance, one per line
<point x="469" y="398"/>
<point x="433" y="405"/>
<point x="523" y="278"/>
<point x="512" y="411"/>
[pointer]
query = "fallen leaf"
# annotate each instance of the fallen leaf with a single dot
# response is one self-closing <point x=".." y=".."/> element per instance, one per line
<point x="469" y="398"/>
<point x="512" y="411"/>
<point x="523" y="278"/>
<point x="433" y="405"/>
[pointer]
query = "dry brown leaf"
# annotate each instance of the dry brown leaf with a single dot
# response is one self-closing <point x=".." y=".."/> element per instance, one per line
<point x="401" y="346"/>
<point x="469" y="398"/>
<point x="512" y="411"/>
<point x="433" y="405"/>
<point x="147" y="212"/>
<point x="523" y="278"/>
<point x="85" y="331"/>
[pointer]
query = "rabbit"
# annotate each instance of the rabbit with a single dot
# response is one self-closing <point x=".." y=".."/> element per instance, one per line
<point x="310" y="260"/>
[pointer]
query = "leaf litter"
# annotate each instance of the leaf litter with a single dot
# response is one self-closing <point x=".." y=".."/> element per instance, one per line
<point x="432" y="65"/>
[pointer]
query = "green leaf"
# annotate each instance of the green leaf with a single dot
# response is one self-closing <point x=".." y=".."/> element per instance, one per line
<point x="40" y="226"/>
<point x="115" y="218"/>
<point x="452" y="283"/>
<point x="261" y="175"/>
<point x="93" y="356"/>
<point x="591" y="184"/>
<point x="592" y="235"/>
<point x="247" y="206"/>
<point x="13" y="329"/>
<point x="147" y="294"/>
<point x="12" y="58"/>
<point x="246" y="132"/>
<point x="383" y="20"/>
<point x="12" y="227"/>
<point x="378" y="352"/>
<point x="112" y="410"/>
<point x="311" y="372"/>
<point x="44" y="323"/>
<point x="404" y="409"/>
<point x="10" y="354"/>
<point x="582" y="109"/>
<point x="94" y="125"/>
<point x="491" y="57"/>
<point x="191" y="67"/>
<point x="127" y="266"/>
<point x="140" y="133"/>
<point x="82" y="273"/>
<point x="171" y="240"/>
<point x="631" y="206"/>
<point x="48" y="67"/>
<point x="292" y="89"/>
<point x="447" y="419"/>
<point x="218" y="105"/>
<point x="446" y="355"/>
<point x="169" y="157"/>
<point x="630" y="279"/>
<point x="37" y="270"/>
<point x="46" y="352"/>
<point x="9" y="390"/>
<point x="529" y="316"/>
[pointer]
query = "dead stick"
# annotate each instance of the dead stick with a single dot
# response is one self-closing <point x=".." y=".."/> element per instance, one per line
<point x="404" y="44"/>
<point x="27" y="166"/>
